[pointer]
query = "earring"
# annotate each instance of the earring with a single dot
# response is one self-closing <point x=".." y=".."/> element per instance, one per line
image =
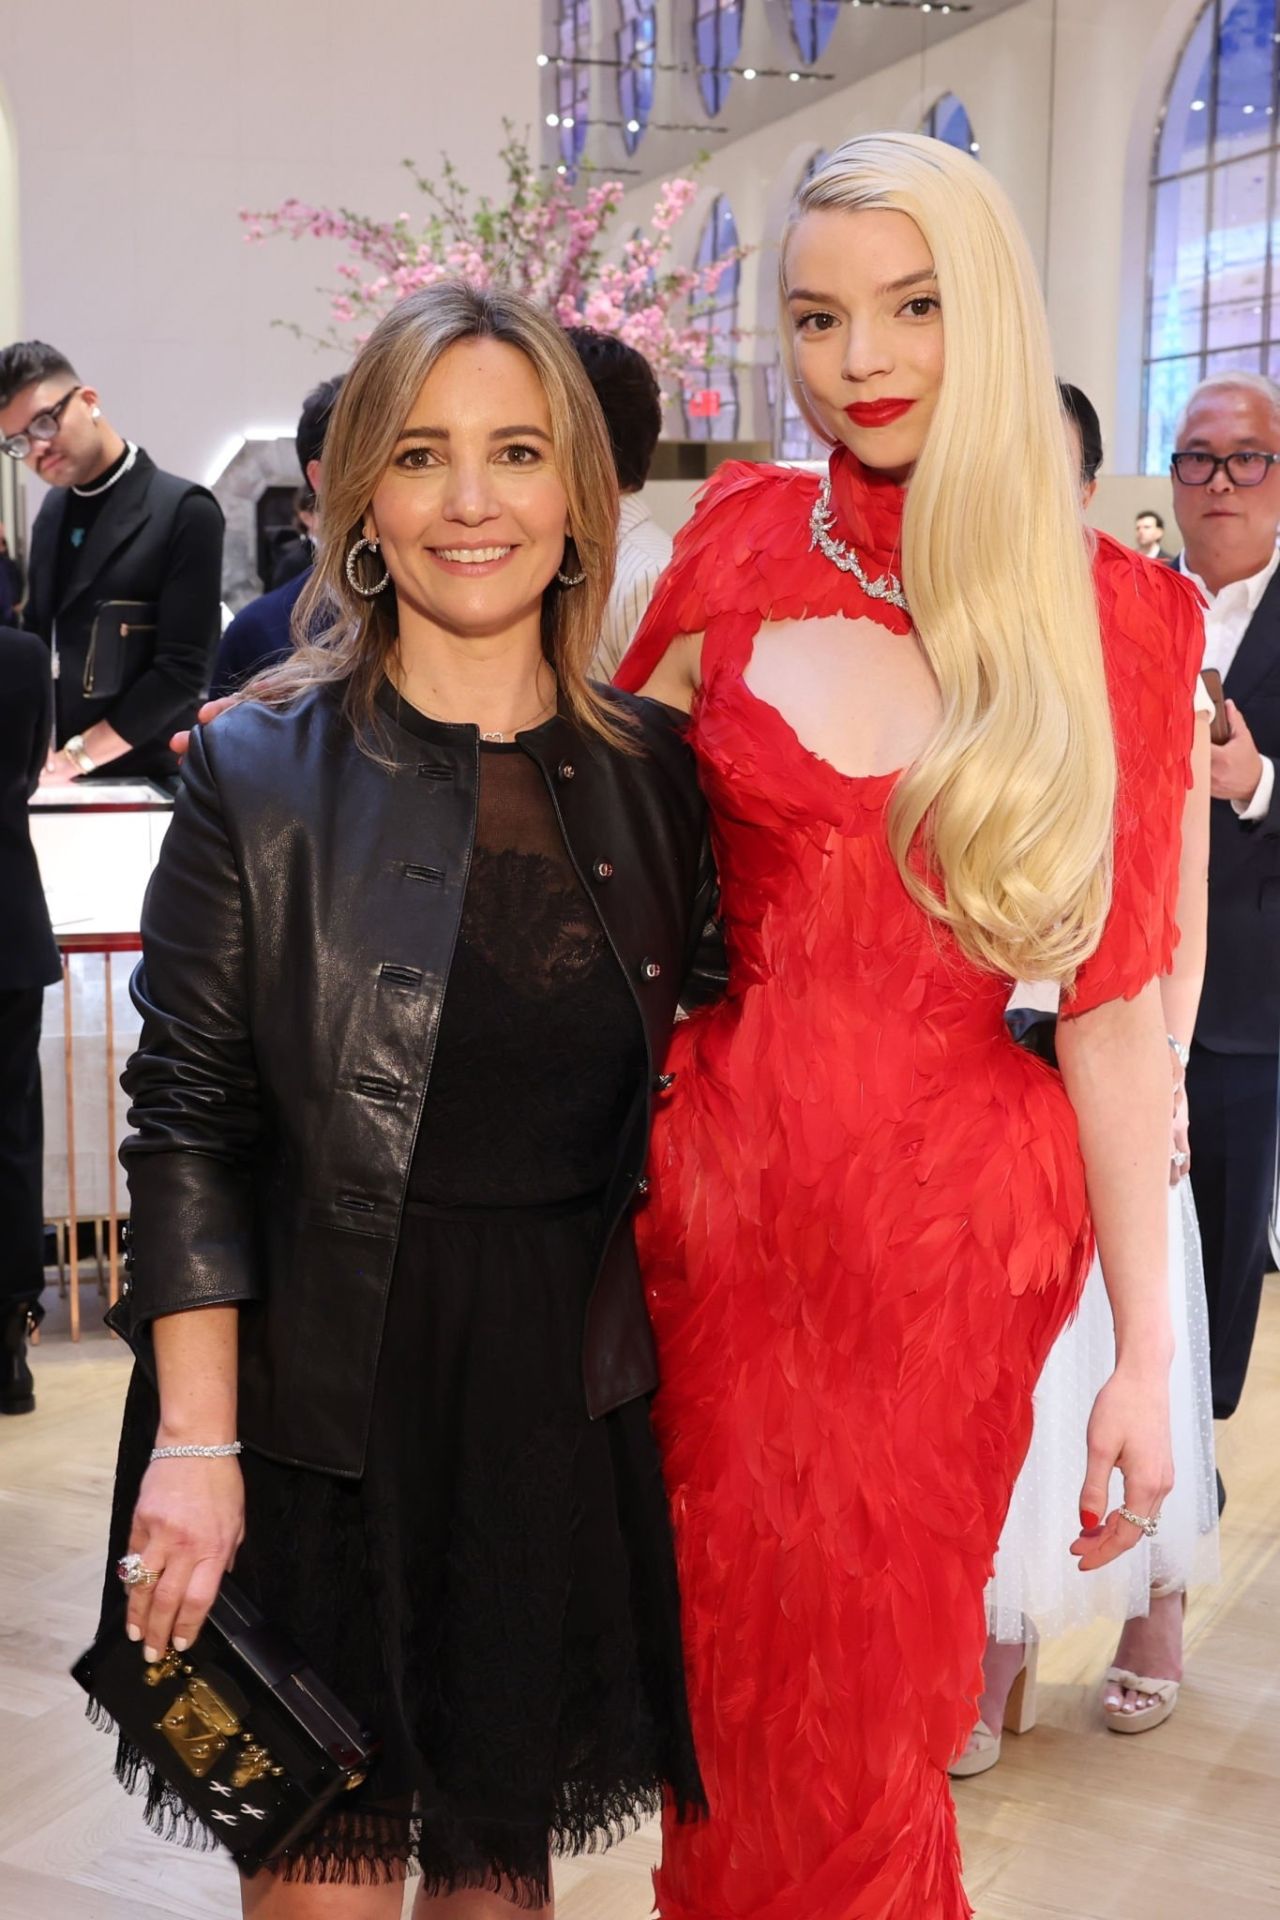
<point x="569" y="579"/>
<point x="95" y="413"/>
<point x="366" y="593"/>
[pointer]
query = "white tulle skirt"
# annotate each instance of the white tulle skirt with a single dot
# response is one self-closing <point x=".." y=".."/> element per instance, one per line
<point x="1035" y="1575"/>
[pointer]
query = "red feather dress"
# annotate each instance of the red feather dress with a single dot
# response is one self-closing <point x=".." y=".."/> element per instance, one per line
<point x="867" y="1224"/>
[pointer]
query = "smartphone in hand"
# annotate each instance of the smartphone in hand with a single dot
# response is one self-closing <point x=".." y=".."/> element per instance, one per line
<point x="1219" y="726"/>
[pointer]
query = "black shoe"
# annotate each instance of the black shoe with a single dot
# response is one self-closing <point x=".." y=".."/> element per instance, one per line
<point x="1222" y="1493"/>
<point x="17" y="1388"/>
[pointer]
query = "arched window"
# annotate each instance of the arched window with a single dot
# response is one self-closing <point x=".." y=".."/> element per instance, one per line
<point x="1215" y="227"/>
<point x="812" y="25"/>
<point x="947" y="120"/>
<point x="637" y="44"/>
<point x="717" y="41"/>
<point x="792" y="437"/>
<point x="711" y="409"/>
<point x="573" y="82"/>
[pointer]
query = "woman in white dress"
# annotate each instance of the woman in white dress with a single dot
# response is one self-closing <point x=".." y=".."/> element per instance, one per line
<point x="1037" y="1590"/>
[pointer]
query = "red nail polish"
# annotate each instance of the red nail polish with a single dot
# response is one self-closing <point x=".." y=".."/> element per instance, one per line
<point x="1089" y="1521"/>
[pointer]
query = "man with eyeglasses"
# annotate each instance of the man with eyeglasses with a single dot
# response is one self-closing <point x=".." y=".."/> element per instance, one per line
<point x="123" y="579"/>
<point x="1226" y="492"/>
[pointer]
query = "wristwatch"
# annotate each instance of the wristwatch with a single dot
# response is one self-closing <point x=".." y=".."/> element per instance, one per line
<point x="77" y="753"/>
<point x="1180" y="1053"/>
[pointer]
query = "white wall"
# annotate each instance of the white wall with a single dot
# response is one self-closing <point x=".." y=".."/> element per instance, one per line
<point x="143" y="126"/>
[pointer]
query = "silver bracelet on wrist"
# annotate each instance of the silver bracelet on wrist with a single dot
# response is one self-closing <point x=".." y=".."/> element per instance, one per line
<point x="196" y="1453"/>
<point x="1180" y="1053"/>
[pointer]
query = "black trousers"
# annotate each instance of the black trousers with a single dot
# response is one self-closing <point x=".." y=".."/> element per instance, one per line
<point x="21" y="1148"/>
<point x="1232" y="1097"/>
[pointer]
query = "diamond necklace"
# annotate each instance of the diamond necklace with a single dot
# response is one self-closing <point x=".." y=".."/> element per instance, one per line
<point x="90" y="493"/>
<point x="821" y="521"/>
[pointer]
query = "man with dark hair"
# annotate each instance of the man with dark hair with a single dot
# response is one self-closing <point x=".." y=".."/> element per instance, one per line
<point x="261" y="633"/>
<point x="1148" y="536"/>
<point x="631" y="402"/>
<point x="124" y="578"/>
<point x="28" y="964"/>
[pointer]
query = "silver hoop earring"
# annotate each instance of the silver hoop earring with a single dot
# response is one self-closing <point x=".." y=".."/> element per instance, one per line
<point x="366" y="593"/>
<point x="570" y="579"/>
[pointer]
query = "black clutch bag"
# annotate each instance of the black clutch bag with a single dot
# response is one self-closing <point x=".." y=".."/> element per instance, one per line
<point x="122" y="640"/>
<point x="244" y="1731"/>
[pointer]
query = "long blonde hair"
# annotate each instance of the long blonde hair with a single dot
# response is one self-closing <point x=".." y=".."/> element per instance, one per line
<point x="1015" y="792"/>
<point x="340" y="638"/>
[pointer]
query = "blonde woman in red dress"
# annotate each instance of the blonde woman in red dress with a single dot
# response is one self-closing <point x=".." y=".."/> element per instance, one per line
<point x="940" y="754"/>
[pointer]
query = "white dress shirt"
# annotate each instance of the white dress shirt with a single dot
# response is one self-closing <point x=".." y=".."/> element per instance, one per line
<point x="644" y="553"/>
<point x="1226" y="620"/>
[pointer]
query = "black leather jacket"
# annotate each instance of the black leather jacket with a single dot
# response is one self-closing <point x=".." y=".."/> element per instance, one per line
<point x="297" y="938"/>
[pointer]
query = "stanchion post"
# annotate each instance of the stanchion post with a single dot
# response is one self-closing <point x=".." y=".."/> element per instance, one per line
<point x="113" y="1228"/>
<point x="68" y="1054"/>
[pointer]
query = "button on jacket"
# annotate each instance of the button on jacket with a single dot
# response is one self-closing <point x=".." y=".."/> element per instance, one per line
<point x="297" y="938"/>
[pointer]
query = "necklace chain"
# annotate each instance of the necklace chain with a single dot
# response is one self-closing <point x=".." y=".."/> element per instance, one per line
<point x="498" y="738"/>
<point x="821" y="521"/>
<point x="90" y="493"/>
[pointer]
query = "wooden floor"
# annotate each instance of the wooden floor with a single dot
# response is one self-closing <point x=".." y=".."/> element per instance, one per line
<point x="1075" y="1824"/>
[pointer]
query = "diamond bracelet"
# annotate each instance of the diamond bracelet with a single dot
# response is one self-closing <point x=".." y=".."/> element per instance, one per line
<point x="196" y="1453"/>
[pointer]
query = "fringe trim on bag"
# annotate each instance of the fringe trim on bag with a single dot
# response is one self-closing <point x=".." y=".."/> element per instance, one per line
<point x="372" y="1848"/>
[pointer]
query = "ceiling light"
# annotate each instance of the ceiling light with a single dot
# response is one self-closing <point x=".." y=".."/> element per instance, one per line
<point x="562" y="168"/>
<point x="793" y="76"/>
<point x="1197" y="106"/>
<point x="633" y="126"/>
<point x="553" y="119"/>
<point x="543" y="60"/>
<point x="567" y="121"/>
<point x="1247" y="109"/>
<point x="974" y="147"/>
<point x="748" y="73"/>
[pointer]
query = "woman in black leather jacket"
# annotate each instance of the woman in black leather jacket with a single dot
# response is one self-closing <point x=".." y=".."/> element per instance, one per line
<point x="410" y="961"/>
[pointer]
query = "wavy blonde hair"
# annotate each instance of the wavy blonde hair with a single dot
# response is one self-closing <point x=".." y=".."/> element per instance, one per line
<point x="1015" y="793"/>
<point x="341" y="639"/>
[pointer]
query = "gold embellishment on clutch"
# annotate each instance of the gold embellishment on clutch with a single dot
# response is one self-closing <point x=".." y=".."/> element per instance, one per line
<point x="198" y="1726"/>
<point x="162" y="1669"/>
<point x="252" y="1763"/>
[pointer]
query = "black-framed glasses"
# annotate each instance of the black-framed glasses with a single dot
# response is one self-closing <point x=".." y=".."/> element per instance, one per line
<point x="1247" y="469"/>
<point x="43" y="427"/>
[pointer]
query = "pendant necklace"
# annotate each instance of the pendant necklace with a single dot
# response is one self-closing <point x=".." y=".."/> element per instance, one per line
<point x="497" y="739"/>
<point x="821" y="521"/>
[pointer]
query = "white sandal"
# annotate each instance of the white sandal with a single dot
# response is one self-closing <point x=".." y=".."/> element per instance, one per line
<point x="1163" y="1694"/>
<point x="983" y="1750"/>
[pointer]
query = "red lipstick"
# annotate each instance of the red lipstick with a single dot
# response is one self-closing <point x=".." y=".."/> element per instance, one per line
<point x="878" y="413"/>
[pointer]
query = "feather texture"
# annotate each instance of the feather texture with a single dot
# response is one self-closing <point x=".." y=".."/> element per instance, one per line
<point x="866" y="1226"/>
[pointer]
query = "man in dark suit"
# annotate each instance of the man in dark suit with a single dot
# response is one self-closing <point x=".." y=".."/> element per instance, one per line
<point x="28" y="963"/>
<point x="1226" y="488"/>
<point x="123" y="580"/>
<point x="261" y="633"/>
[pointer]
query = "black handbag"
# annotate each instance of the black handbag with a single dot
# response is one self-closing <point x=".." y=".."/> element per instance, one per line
<point x="243" y="1730"/>
<point x="121" y="641"/>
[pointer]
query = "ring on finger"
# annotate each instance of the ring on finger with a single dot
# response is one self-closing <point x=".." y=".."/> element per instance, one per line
<point x="1150" y="1525"/>
<point x="132" y="1571"/>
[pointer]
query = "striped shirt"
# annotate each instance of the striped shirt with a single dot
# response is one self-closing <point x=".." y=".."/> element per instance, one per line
<point x="644" y="551"/>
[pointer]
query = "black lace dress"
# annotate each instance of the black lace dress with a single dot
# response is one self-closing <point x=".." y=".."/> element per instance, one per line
<point x="497" y="1595"/>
